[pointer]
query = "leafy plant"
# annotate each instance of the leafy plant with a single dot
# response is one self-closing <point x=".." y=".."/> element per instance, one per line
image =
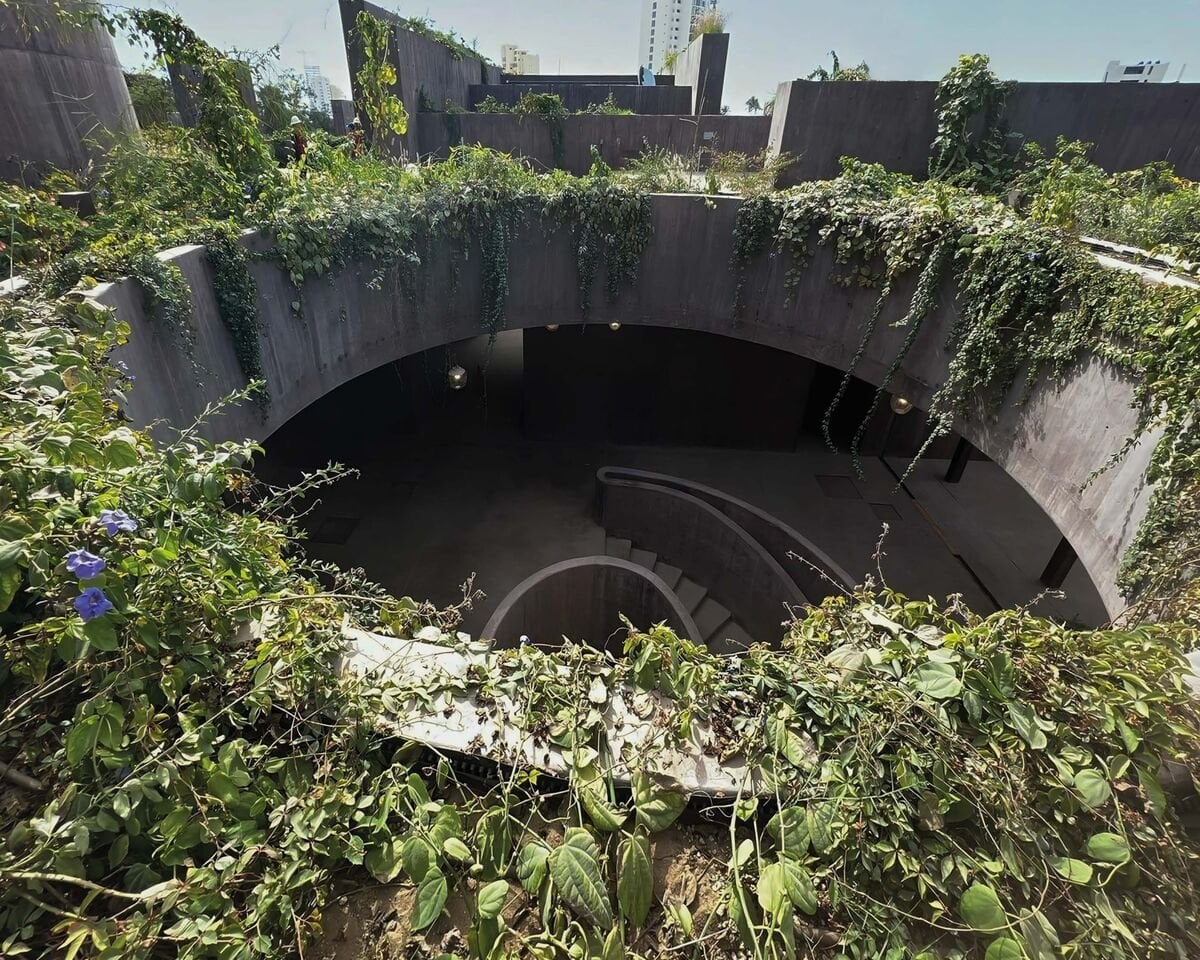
<point x="838" y="72"/>
<point x="971" y="145"/>
<point x="376" y="80"/>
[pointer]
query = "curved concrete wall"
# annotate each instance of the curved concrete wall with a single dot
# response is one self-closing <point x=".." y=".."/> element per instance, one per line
<point x="810" y="568"/>
<point x="584" y="600"/>
<point x="708" y="547"/>
<point x="59" y="87"/>
<point x="1050" y="444"/>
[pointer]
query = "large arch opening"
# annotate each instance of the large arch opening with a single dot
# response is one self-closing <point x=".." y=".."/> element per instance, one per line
<point x="498" y="478"/>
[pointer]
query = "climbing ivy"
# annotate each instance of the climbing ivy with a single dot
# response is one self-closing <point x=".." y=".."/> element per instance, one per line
<point x="971" y="145"/>
<point x="376" y="80"/>
<point x="1029" y="302"/>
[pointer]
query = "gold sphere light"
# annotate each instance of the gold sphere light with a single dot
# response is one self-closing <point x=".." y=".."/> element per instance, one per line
<point x="552" y="327"/>
<point x="456" y="376"/>
<point x="901" y="405"/>
<point x="615" y="325"/>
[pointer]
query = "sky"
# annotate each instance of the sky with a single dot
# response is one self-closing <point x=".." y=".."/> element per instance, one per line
<point x="770" y="40"/>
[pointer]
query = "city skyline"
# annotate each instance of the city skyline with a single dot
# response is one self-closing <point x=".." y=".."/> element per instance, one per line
<point x="1073" y="40"/>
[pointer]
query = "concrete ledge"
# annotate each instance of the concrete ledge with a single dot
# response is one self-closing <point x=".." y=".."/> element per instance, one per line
<point x="634" y="718"/>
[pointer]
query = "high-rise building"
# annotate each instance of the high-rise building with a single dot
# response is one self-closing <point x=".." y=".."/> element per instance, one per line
<point x="319" y="90"/>
<point x="1144" y="71"/>
<point x="667" y="27"/>
<point x="516" y="61"/>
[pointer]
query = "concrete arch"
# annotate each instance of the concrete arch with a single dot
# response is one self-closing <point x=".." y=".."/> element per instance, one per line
<point x="584" y="598"/>
<point x="1050" y="444"/>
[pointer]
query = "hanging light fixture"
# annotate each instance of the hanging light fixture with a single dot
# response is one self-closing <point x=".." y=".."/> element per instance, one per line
<point x="552" y="327"/>
<point x="901" y="405"/>
<point x="615" y="326"/>
<point x="456" y="377"/>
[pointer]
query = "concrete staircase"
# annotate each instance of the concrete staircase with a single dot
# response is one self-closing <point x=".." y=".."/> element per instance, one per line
<point x="721" y="633"/>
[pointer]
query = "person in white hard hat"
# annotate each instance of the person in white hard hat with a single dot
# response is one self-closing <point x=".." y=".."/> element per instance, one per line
<point x="299" y="139"/>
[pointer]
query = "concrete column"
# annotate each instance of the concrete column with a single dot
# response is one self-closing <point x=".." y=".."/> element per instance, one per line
<point x="958" y="462"/>
<point x="62" y="93"/>
<point x="702" y="67"/>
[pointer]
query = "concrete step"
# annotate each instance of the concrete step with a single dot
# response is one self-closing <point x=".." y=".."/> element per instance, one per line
<point x="617" y="547"/>
<point x="730" y="639"/>
<point x="710" y="617"/>
<point x="668" y="574"/>
<point x="643" y="558"/>
<point x="690" y="594"/>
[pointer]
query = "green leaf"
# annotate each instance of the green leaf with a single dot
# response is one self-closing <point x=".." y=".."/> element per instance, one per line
<point x="593" y="797"/>
<point x="635" y="879"/>
<point x="416" y="856"/>
<point x="788" y="743"/>
<point x="575" y="870"/>
<point x="772" y="888"/>
<point x="531" y="866"/>
<point x="1093" y="788"/>
<point x="682" y="916"/>
<point x="81" y="741"/>
<point x="121" y="453"/>
<point x="657" y="807"/>
<point x="937" y="680"/>
<point x="789" y="829"/>
<point x="10" y="552"/>
<point x="820" y="825"/>
<point x="383" y="862"/>
<point x="492" y="898"/>
<point x="1076" y="871"/>
<point x="118" y="851"/>
<point x="10" y="582"/>
<point x="980" y="909"/>
<point x="102" y="634"/>
<point x="430" y="898"/>
<point x="1108" y="848"/>
<point x="1025" y="720"/>
<point x="799" y="886"/>
<point x="1006" y="948"/>
<point x="1156" y="799"/>
<point x="455" y="849"/>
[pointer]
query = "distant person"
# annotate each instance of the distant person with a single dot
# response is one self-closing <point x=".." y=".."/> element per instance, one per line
<point x="358" y="142"/>
<point x="299" y="140"/>
<point x="641" y="76"/>
<point x="648" y="79"/>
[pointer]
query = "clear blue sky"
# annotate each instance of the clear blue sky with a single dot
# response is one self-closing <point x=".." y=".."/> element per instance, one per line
<point x="771" y="40"/>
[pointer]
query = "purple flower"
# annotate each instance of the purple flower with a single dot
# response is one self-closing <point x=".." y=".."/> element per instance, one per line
<point x="115" y="521"/>
<point x="92" y="603"/>
<point x="1032" y="256"/>
<point x="84" y="565"/>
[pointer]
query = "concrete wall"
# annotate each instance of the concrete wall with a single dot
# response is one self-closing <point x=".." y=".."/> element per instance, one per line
<point x="1051" y="444"/>
<point x="59" y="87"/>
<point x="422" y="65"/>
<point x="584" y="599"/>
<point x="893" y="123"/>
<point x="707" y="546"/>
<point x="579" y="96"/>
<point x="619" y="139"/>
<point x="702" y="67"/>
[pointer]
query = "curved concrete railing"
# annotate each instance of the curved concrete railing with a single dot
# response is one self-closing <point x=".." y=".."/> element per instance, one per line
<point x="1050" y="444"/>
<point x="815" y="573"/>
<point x="708" y="547"/>
<point x="583" y="600"/>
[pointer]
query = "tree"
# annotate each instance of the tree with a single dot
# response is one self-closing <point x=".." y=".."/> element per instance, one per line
<point x="861" y="72"/>
<point x="153" y="101"/>
<point x="769" y="106"/>
<point x="753" y="106"/>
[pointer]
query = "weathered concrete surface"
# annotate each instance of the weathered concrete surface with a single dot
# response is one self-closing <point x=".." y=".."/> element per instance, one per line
<point x="423" y="66"/>
<point x="707" y="546"/>
<point x="701" y="66"/>
<point x="579" y="96"/>
<point x="619" y="139"/>
<point x="584" y="599"/>
<point x="59" y="88"/>
<point x="893" y="123"/>
<point x="1050" y="444"/>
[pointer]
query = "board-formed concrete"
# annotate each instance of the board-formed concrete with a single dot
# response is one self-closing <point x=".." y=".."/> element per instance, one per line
<point x="62" y="92"/>
<point x="1051" y="444"/>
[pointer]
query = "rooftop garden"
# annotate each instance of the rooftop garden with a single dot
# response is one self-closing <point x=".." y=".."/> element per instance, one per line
<point x="186" y="773"/>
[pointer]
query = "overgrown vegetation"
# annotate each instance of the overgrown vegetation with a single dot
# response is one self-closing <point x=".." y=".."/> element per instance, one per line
<point x="838" y="72"/>
<point x="191" y="777"/>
